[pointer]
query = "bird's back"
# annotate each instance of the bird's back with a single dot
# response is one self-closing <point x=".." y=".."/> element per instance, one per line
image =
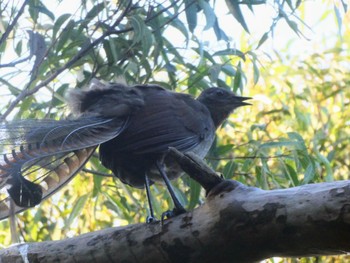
<point x="167" y="119"/>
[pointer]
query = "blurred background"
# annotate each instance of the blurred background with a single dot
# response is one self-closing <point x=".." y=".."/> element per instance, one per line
<point x="292" y="57"/>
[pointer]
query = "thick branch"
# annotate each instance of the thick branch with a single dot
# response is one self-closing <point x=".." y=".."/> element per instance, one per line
<point x="236" y="224"/>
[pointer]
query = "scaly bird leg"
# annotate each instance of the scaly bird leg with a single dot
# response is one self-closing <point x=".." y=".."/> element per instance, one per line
<point x="178" y="208"/>
<point x="150" y="218"/>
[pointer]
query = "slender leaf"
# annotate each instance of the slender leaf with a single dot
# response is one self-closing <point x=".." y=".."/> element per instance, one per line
<point x="235" y="10"/>
<point x="262" y="40"/>
<point x="209" y="14"/>
<point x="58" y="24"/>
<point x="138" y="27"/>
<point x="77" y="208"/>
<point x="191" y="14"/>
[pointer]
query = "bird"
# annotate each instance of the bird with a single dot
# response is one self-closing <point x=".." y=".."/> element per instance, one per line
<point x="133" y="127"/>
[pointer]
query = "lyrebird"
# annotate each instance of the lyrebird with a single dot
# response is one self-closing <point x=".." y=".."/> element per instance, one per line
<point x="134" y="126"/>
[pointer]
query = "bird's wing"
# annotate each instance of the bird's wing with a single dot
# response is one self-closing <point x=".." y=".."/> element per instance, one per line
<point x="166" y="120"/>
<point x="41" y="156"/>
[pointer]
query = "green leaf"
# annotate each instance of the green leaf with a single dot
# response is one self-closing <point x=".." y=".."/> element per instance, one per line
<point x="191" y="14"/>
<point x="110" y="55"/>
<point x="220" y="34"/>
<point x="24" y="110"/>
<point x="289" y="144"/>
<point x="42" y="9"/>
<point x="13" y="89"/>
<point x="296" y="136"/>
<point x="229" y="70"/>
<point x="235" y="10"/>
<point x="76" y="211"/>
<point x="292" y="174"/>
<point x="138" y="27"/>
<point x="33" y="10"/>
<point x="194" y="193"/>
<point x="303" y="118"/>
<point x="95" y="10"/>
<point x="58" y="24"/>
<point x="59" y="95"/>
<point x="147" y="42"/>
<point x="230" y="52"/>
<point x="339" y="19"/>
<point x="18" y="48"/>
<point x="209" y="14"/>
<point x="256" y="72"/>
<point x="97" y="184"/>
<point x="309" y="174"/>
<point x="263" y="39"/>
<point x="214" y="72"/>
<point x="229" y="169"/>
<point x="237" y="83"/>
<point x="65" y="35"/>
<point x="323" y="160"/>
<point x="178" y="24"/>
<point x="293" y="25"/>
<point x="36" y="7"/>
<point x="345" y="6"/>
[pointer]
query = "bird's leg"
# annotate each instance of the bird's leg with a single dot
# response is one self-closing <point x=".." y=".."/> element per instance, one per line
<point x="178" y="208"/>
<point x="150" y="218"/>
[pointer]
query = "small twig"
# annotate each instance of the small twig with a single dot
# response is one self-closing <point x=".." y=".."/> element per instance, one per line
<point x="25" y="93"/>
<point x="12" y="25"/>
<point x="246" y="157"/>
<point x="97" y="172"/>
<point x="14" y="63"/>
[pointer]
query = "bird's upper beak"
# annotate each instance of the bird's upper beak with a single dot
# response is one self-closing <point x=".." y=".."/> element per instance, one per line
<point x="240" y="101"/>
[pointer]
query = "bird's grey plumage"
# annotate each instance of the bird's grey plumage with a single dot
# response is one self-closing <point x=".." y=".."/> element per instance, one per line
<point x="133" y="125"/>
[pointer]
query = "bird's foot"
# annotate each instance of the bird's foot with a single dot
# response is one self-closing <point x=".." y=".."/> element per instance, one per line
<point x="151" y="219"/>
<point x="172" y="213"/>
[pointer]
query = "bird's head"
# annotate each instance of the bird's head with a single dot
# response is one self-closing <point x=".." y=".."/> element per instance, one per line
<point x="221" y="102"/>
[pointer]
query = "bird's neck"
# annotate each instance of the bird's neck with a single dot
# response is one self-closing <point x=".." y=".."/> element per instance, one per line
<point x="218" y="115"/>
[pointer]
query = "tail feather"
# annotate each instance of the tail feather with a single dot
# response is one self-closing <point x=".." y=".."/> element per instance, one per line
<point x="39" y="157"/>
<point x="27" y="194"/>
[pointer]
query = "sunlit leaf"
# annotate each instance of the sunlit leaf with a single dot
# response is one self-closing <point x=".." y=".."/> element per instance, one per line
<point x="194" y="194"/>
<point x="230" y="51"/>
<point x="220" y="34"/>
<point x="191" y="14"/>
<point x="138" y="27"/>
<point x="262" y="40"/>
<point x="77" y="208"/>
<point x="209" y="14"/>
<point x="66" y="34"/>
<point x="235" y="10"/>
<point x="58" y="24"/>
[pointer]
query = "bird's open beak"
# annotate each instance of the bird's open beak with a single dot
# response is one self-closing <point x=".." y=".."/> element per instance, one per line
<point x="239" y="101"/>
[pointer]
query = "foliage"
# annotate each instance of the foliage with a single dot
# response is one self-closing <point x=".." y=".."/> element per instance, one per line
<point x="296" y="132"/>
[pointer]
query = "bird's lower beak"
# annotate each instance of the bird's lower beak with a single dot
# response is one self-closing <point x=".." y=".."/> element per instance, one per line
<point x="239" y="101"/>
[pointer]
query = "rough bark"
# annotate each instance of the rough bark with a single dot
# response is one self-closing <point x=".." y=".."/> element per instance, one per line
<point x="236" y="224"/>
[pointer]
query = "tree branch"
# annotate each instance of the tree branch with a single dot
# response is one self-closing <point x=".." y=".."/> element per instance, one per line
<point x="12" y="25"/>
<point x="236" y="224"/>
<point x="26" y="92"/>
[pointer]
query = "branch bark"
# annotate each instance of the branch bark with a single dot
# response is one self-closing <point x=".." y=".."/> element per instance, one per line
<point x="236" y="224"/>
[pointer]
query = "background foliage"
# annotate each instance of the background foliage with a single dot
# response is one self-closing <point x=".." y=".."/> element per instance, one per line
<point x="296" y="132"/>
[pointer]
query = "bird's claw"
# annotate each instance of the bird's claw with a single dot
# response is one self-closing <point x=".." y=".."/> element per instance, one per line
<point x="172" y="213"/>
<point x="151" y="219"/>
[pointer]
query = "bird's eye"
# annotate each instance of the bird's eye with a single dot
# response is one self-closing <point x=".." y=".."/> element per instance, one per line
<point x="220" y="93"/>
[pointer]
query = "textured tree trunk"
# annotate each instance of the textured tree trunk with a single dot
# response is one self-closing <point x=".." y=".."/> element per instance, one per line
<point x="236" y="224"/>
